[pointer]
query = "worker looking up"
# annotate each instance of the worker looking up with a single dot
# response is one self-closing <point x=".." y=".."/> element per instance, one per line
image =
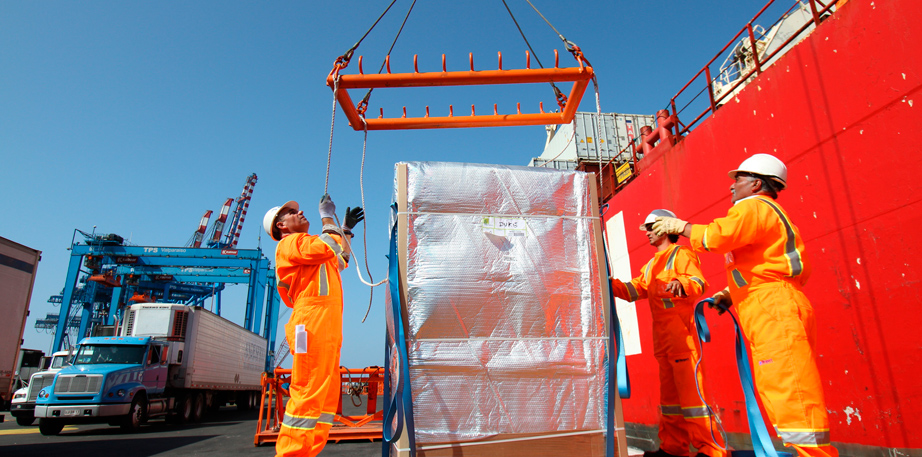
<point x="309" y="282"/>
<point x="766" y="270"/>
<point x="672" y="282"/>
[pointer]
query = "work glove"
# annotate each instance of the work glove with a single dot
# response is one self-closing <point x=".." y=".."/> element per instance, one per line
<point x="353" y="217"/>
<point x="668" y="226"/>
<point x="722" y="301"/>
<point x="327" y="207"/>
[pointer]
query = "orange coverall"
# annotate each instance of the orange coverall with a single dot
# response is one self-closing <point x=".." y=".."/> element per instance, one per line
<point x="766" y="269"/>
<point x="308" y="269"/>
<point x="684" y="417"/>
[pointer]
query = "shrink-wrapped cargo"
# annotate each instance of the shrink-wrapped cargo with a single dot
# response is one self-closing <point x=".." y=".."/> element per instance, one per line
<point x="504" y="311"/>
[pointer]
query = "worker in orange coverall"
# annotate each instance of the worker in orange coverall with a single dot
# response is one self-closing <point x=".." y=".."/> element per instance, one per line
<point x="309" y="281"/>
<point x="767" y="269"/>
<point x="672" y="281"/>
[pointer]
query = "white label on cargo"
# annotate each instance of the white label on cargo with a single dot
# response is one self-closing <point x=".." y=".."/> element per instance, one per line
<point x="300" y="340"/>
<point x="505" y="226"/>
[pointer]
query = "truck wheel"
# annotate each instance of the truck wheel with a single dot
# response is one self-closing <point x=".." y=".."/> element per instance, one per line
<point x="136" y="415"/>
<point x="198" y="407"/>
<point x="184" y="410"/>
<point x="50" y="427"/>
<point x="25" y="421"/>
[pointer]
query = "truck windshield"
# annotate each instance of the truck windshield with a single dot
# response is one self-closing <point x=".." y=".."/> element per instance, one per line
<point x="110" y="353"/>
<point x="58" y="362"/>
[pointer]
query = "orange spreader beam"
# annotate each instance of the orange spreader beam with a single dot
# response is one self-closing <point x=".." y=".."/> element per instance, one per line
<point x="580" y="76"/>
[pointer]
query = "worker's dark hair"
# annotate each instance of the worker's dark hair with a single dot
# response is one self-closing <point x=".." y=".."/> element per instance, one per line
<point x="673" y="238"/>
<point x="769" y="186"/>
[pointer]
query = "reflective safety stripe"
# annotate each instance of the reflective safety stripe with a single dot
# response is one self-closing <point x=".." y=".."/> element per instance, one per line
<point x="303" y="423"/>
<point x="671" y="260"/>
<point x="631" y="290"/>
<point x="695" y="412"/>
<point x="326" y="418"/>
<point x="324" y="282"/>
<point x="698" y="280"/>
<point x="337" y="249"/>
<point x="646" y="273"/>
<point x="790" y="243"/>
<point x="282" y="284"/>
<point x="671" y="410"/>
<point x="704" y="239"/>
<point x="806" y="438"/>
<point x="667" y="303"/>
<point x="738" y="278"/>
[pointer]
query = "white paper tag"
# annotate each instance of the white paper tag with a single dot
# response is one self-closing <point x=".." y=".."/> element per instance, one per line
<point x="300" y="340"/>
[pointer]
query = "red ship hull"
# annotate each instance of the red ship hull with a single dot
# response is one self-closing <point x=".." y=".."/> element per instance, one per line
<point x="843" y="109"/>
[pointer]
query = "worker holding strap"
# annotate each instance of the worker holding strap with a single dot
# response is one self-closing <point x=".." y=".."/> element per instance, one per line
<point x="672" y="282"/>
<point x="767" y="267"/>
<point x="308" y="269"/>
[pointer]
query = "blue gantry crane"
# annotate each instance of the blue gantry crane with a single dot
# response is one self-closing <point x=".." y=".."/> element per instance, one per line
<point x="105" y="274"/>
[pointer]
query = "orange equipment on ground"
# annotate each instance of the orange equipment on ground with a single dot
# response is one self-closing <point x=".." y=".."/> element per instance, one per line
<point x="367" y="382"/>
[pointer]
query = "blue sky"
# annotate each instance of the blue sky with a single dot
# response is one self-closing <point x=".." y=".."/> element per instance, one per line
<point x="137" y="117"/>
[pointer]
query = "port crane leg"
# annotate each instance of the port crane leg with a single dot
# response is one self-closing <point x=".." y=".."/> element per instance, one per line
<point x="70" y="284"/>
<point x="113" y="305"/>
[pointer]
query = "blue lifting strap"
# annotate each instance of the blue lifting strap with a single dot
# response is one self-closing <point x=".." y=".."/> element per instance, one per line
<point x="616" y="370"/>
<point x="761" y="440"/>
<point x="402" y="402"/>
<point x="624" y="380"/>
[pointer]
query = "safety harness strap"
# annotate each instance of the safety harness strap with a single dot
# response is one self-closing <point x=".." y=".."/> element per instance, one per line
<point x="761" y="440"/>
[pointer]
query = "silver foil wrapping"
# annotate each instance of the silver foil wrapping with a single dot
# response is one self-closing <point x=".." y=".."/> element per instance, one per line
<point x="506" y="329"/>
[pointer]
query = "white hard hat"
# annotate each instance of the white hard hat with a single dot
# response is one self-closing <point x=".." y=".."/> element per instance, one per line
<point x="765" y="165"/>
<point x="269" y="219"/>
<point x="651" y="218"/>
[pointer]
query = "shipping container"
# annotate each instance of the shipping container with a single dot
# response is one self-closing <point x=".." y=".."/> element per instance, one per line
<point x="18" y="265"/>
<point x="579" y="141"/>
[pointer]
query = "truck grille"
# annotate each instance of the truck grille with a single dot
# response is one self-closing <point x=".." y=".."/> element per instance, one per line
<point x="38" y="383"/>
<point x="78" y="384"/>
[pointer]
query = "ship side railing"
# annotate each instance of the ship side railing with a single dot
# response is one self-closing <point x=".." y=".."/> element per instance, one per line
<point x="754" y="63"/>
<point x="739" y="66"/>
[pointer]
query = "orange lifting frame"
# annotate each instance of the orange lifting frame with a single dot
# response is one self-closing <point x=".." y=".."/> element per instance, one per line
<point x="580" y="76"/>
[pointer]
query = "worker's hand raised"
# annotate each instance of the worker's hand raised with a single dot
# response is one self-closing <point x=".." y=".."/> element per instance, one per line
<point x="327" y="207"/>
<point x="668" y="226"/>
<point x="353" y="217"/>
<point x="676" y="289"/>
<point x="722" y="301"/>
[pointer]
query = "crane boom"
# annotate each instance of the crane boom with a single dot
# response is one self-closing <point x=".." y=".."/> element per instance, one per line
<point x="240" y="212"/>
<point x="200" y="233"/>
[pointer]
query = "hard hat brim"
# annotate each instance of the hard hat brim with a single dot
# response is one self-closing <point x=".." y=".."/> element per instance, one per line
<point x="732" y="175"/>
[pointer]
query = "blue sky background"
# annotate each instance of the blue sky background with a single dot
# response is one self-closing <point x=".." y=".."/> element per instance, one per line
<point x="137" y="117"/>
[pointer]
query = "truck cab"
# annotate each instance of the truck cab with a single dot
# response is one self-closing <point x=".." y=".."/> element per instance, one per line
<point x="119" y="380"/>
<point x="23" y="403"/>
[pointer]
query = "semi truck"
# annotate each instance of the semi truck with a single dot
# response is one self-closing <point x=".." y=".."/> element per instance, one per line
<point x="22" y="406"/>
<point x="18" y="265"/>
<point x="167" y="360"/>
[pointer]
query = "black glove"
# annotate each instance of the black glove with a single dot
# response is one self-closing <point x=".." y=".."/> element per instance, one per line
<point x="353" y="217"/>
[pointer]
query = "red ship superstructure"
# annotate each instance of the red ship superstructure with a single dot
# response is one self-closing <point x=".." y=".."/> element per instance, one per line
<point x="842" y="107"/>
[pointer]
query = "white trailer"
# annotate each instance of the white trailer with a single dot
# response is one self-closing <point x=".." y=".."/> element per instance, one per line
<point x="18" y="265"/>
<point x="208" y="353"/>
<point x="167" y="360"/>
